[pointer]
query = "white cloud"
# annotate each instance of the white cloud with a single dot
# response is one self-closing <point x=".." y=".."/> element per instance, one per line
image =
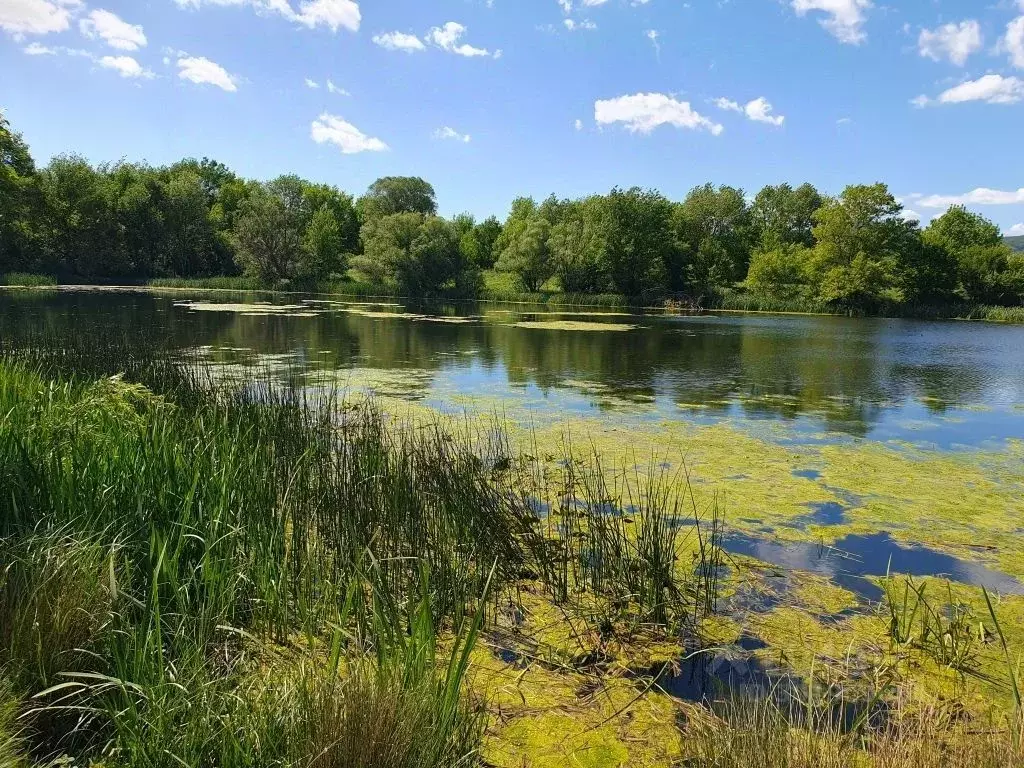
<point x="1016" y="229"/>
<point x="125" y="66"/>
<point x="566" y="5"/>
<point x="36" y="17"/>
<point x="451" y="133"/>
<point x="330" y="129"/>
<point x="330" y="13"/>
<point x="399" y="41"/>
<point x="1013" y="43"/>
<point x="200" y="70"/>
<point x="845" y="18"/>
<point x="447" y="39"/>
<point x="113" y="31"/>
<point x="592" y="3"/>
<point x="35" y="49"/>
<point x="313" y="84"/>
<point x="643" y="112"/>
<point x="759" y="110"/>
<point x="573" y="25"/>
<point x="991" y="89"/>
<point x="909" y="215"/>
<point x="311" y="13"/>
<point x="578" y="124"/>
<point x="979" y="196"/>
<point x="955" y="42"/>
<point x="653" y="35"/>
<point x="332" y="88"/>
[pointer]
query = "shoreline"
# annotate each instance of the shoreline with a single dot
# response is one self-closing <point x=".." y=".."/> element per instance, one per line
<point x="552" y="301"/>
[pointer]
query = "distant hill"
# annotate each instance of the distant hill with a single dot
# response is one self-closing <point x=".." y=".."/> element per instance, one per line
<point x="1017" y="243"/>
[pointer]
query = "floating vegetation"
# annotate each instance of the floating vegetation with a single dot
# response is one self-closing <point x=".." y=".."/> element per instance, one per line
<point x="256" y="308"/>
<point x="574" y="325"/>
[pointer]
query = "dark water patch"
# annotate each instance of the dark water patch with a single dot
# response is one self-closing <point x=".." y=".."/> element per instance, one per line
<point x="539" y="507"/>
<point x="808" y="474"/>
<point x="855" y="557"/>
<point x="823" y="513"/>
<point x="751" y="643"/>
<point x="724" y="678"/>
<point x="511" y="657"/>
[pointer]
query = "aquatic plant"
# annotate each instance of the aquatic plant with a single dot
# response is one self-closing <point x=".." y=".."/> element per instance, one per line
<point x="946" y="631"/>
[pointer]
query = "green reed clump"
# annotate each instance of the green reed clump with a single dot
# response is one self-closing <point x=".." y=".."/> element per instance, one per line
<point x="621" y="537"/>
<point x="945" y="630"/>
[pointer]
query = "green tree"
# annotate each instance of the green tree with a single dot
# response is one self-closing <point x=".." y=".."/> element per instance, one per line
<point x="714" y="238"/>
<point x="638" y="239"/>
<point x="322" y="253"/>
<point x="523" y="210"/>
<point x="80" y="228"/>
<point x="780" y="272"/>
<point x="189" y="246"/>
<point x="397" y="194"/>
<point x="470" y="248"/>
<point x="527" y="256"/>
<point x="860" y="260"/>
<point x="982" y="260"/>
<point x="419" y="255"/>
<point x="341" y="207"/>
<point x="433" y="260"/>
<point x="19" y="201"/>
<point x="268" y="237"/>
<point x="487" y="233"/>
<point x="139" y="209"/>
<point x="783" y="216"/>
<point x="577" y="246"/>
<point x="387" y="241"/>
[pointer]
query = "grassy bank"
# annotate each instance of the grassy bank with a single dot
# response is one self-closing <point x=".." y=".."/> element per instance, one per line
<point x="26" y="280"/>
<point x="206" y="573"/>
<point x="746" y="302"/>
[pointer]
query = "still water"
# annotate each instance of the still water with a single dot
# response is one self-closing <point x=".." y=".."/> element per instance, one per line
<point x="941" y="385"/>
<point x="840" y="447"/>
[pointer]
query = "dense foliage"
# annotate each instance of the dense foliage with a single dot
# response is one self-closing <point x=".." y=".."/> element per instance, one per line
<point x="193" y="219"/>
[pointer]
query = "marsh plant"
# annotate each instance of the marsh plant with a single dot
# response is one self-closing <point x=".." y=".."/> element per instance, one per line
<point x="151" y="542"/>
<point x="628" y="546"/>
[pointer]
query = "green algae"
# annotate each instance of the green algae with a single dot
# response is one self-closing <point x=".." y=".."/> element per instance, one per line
<point x="574" y="325"/>
<point x="256" y="308"/>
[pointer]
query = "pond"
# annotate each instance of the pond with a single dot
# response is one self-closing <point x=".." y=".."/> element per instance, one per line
<point x="809" y="429"/>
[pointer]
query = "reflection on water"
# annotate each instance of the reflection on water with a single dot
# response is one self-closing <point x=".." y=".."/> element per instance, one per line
<point x="936" y="384"/>
<point x="856" y="556"/>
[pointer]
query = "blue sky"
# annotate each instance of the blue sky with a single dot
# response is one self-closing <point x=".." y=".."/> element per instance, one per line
<point x="491" y="99"/>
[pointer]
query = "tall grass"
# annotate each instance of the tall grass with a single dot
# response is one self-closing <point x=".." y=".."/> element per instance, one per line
<point x="11" y="747"/>
<point x="148" y="538"/>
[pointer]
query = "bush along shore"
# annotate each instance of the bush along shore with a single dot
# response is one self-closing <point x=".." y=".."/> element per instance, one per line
<point x="196" y="220"/>
<point x="206" y="572"/>
<point x="727" y="301"/>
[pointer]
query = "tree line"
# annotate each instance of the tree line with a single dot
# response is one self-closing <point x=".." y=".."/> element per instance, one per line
<point x="196" y="218"/>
